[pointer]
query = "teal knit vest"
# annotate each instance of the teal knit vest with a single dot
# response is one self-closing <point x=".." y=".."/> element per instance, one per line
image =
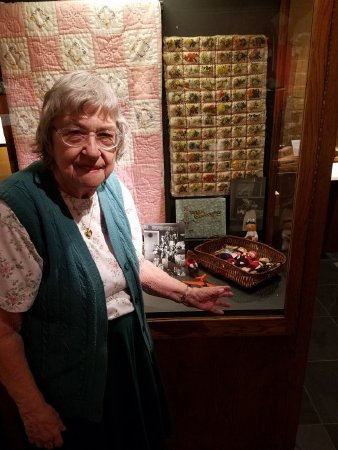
<point x="66" y="328"/>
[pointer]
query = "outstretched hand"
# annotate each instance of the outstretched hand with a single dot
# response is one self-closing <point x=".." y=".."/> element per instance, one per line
<point x="208" y="298"/>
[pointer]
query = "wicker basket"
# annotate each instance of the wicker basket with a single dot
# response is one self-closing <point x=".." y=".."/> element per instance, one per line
<point x="204" y="255"/>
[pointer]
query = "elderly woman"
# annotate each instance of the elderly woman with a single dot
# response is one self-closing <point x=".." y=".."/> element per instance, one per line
<point x="75" y="351"/>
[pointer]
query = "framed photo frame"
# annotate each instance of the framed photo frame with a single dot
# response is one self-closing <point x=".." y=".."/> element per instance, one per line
<point x="203" y="218"/>
<point x="164" y="246"/>
<point x="247" y="199"/>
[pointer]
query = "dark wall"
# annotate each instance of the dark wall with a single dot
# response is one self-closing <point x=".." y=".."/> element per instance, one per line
<point x="208" y="17"/>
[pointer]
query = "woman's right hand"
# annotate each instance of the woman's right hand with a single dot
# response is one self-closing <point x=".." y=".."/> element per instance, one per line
<point x="43" y="426"/>
<point x="42" y="423"/>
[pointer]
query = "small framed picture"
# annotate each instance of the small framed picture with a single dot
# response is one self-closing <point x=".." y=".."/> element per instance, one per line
<point x="247" y="199"/>
<point x="164" y="246"/>
<point x="202" y="217"/>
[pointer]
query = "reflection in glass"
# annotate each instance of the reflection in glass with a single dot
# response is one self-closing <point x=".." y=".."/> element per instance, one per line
<point x="290" y="146"/>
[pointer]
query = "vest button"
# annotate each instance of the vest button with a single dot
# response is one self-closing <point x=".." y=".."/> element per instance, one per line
<point x="126" y="266"/>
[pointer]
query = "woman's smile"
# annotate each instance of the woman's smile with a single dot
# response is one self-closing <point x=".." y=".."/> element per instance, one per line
<point x="90" y="168"/>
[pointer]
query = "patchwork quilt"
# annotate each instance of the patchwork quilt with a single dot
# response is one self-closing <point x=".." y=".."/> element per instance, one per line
<point x="216" y="102"/>
<point x="121" y="41"/>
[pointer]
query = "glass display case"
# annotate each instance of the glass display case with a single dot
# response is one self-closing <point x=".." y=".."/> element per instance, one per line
<point x="287" y="29"/>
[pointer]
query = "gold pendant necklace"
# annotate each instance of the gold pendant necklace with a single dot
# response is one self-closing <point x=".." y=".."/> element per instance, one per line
<point x="88" y="232"/>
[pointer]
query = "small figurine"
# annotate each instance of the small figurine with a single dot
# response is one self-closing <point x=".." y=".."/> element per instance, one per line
<point x="251" y="230"/>
<point x="192" y="266"/>
<point x="251" y="261"/>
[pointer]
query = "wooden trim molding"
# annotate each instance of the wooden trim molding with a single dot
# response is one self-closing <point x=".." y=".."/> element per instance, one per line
<point x="215" y="326"/>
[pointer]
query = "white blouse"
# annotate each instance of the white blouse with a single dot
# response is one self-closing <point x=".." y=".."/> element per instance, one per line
<point x="21" y="266"/>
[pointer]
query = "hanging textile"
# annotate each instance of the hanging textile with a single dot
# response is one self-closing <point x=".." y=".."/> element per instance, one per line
<point x="121" y="41"/>
<point x="216" y="102"/>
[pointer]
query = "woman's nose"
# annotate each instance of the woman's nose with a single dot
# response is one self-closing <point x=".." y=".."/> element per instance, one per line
<point x="90" y="147"/>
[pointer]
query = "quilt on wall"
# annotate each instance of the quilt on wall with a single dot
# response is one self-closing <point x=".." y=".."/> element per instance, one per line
<point x="121" y="41"/>
<point x="216" y="103"/>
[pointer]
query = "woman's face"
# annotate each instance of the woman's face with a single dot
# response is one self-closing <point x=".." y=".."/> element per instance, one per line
<point x="79" y="170"/>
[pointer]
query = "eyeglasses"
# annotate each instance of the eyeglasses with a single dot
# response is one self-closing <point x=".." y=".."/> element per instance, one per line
<point x="105" y="140"/>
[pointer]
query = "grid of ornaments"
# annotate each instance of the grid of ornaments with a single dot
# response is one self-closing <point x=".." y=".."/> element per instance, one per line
<point x="216" y="101"/>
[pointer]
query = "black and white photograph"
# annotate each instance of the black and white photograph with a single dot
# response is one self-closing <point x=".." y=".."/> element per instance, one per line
<point x="164" y="246"/>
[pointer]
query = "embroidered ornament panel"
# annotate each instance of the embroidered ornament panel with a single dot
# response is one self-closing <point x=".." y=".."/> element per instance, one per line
<point x="216" y="103"/>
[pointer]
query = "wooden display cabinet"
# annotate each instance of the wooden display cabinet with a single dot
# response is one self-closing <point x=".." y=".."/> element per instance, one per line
<point x="236" y="382"/>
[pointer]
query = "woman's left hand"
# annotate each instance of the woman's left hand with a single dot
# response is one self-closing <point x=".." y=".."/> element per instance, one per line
<point x="208" y="298"/>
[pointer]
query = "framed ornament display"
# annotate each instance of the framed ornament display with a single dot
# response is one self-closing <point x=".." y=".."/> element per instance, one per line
<point x="216" y="103"/>
<point x="202" y="217"/>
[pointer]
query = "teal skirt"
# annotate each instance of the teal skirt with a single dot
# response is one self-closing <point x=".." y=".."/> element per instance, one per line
<point x="135" y="412"/>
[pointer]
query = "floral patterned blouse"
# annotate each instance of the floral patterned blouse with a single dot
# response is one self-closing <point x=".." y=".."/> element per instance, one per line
<point x="21" y="266"/>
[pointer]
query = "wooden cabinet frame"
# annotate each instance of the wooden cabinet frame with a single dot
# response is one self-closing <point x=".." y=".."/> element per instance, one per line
<point x="237" y="381"/>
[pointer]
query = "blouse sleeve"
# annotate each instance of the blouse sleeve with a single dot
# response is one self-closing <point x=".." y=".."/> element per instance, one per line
<point x="136" y="230"/>
<point x="20" y="264"/>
